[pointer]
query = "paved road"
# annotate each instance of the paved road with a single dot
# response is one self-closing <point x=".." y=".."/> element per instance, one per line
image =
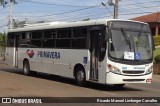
<point x="14" y="84"/>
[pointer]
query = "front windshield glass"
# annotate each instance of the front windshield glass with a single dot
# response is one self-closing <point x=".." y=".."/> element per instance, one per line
<point x="130" y="45"/>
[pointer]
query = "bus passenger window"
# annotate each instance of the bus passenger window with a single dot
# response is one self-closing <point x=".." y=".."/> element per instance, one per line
<point x="35" y="43"/>
<point x="49" y="34"/>
<point x="37" y="35"/>
<point x="63" y="43"/>
<point x="48" y="43"/>
<point x="79" y="32"/>
<point x="64" y="33"/>
<point x="10" y="40"/>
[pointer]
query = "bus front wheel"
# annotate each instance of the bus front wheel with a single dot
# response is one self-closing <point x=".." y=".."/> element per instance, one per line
<point x="80" y="77"/>
<point x="26" y="68"/>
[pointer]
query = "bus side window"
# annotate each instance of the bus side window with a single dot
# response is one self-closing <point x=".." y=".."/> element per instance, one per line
<point x="79" y="39"/>
<point x="63" y="39"/>
<point x="48" y="40"/>
<point x="10" y="40"/>
<point x="49" y="34"/>
<point x="25" y="40"/>
<point x="36" y="40"/>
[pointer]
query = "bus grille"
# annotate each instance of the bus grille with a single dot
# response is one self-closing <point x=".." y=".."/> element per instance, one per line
<point x="133" y="72"/>
<point x="132" y="80"/>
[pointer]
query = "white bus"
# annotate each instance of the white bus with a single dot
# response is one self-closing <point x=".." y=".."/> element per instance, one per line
<point x="104" y="51"/>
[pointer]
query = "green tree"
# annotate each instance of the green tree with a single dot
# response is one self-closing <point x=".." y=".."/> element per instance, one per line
<point x="5" y="2"/>
<point x="87" y="19"/>
<point x="3" y="39"/>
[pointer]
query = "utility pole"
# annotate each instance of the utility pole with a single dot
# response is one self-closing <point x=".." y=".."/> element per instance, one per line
<point x="115" y="4"/>
<point x="10" y="17"/>
<point x="103" y="4"/>
<point x="116" y="9"/>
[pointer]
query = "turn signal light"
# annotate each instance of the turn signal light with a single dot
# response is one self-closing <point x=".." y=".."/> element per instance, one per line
<point x="148" y="80"/>
<point x="109" y="66"/>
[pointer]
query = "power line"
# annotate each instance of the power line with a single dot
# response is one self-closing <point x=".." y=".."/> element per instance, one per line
<point x="4" y="8"/>
<point x="79" y="17"/>
<point x="62" y="12"/>
<point x="107" y="8"/>
<point x="81" y="9"/>
<point x="51" y="11"/>
<point x="134" y="13"/>
<point x="3" y="19"/>
<point x="28" y="12"/>
<point x="3" y="26"/>
<point x="68" y="12"/>
<point x="53" y="4"/>
<point x="136" y="8"/>
<point x="126" y="5"/>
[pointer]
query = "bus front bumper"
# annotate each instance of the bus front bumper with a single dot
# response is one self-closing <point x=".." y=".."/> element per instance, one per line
<point x="112" y="78"/>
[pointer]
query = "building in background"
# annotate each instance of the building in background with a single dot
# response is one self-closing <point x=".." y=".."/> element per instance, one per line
<point x="153" y="20"/>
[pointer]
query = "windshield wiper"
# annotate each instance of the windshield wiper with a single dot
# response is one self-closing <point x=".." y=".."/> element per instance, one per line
<point x="126" y="38"/>
<point x="140" y="33"/>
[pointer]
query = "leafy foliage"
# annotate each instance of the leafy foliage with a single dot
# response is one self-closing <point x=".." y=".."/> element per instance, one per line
<point x="5" y="2"/>
<point x="156" y="40"/>
<point x="157" y="58"/>
<point x="87" y="19"/>
<point x="2" y="39"/>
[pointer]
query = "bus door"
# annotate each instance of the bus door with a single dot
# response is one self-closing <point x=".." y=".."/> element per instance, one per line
<point x="98" y="47"/>
<point x="94" y="50"/>
<point x="15" y="50"/>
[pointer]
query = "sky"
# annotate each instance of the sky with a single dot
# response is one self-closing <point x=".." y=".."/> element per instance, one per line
<point x="74" y="10"/>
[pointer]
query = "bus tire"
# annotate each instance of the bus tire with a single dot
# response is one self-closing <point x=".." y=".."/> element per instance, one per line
<point x="80" y="77"/>
<point x="26" y="68"/>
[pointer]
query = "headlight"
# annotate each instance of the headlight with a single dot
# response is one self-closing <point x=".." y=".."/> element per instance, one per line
<point x="113" y="69"/>
<point x="150" y="70"/>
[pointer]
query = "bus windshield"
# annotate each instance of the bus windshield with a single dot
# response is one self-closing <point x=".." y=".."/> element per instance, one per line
<point x="125" y="44"/>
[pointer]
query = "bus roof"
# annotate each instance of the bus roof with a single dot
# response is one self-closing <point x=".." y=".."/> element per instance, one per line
<point x="55" y="25"/>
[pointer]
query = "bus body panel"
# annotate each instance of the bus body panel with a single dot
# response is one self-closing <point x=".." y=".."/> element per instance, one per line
<point x="10" y="56"/>
<point x="62" y="61"/>
<point x="54" y="61"/>
<point x="113" y="78"/>
<point x="101" y="72"/>
<point x="128" y="73"/>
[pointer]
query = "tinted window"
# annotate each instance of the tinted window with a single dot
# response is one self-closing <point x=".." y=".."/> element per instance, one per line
<point x="63" y="43"/>
<point x="26" y="35"/>
<point x="25" y="43"/>
<point x="10" y="40"/>
<point x="79" y="43"/>
<point x="49" y="43"/>
<point x="79" y="38"/>
<point x="25" y="39"/>
<point x="64" y="33"/>
<point x="79" y="32"/>
<point x="49" y="34"/>
<point x="37" y="35"/>
<point x="35" y="43"/>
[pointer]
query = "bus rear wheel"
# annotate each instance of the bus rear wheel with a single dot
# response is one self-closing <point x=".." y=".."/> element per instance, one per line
<point x="80" y="77"/>
<point x="26" y="68"/>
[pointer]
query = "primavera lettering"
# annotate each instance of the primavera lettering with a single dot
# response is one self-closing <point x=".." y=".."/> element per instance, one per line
<point x="48" y="54"/>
